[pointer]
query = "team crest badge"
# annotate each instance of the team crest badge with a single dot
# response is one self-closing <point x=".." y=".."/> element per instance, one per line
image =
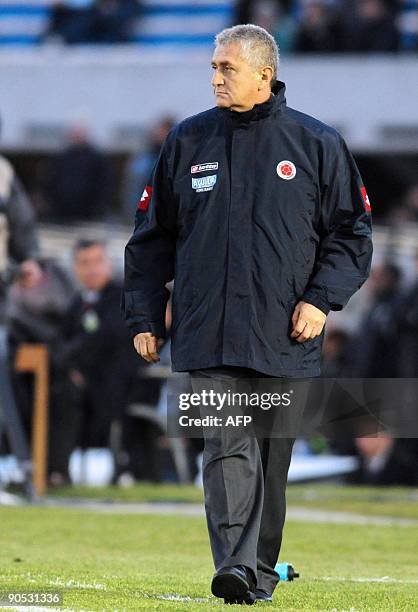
<point x="286" y="170"/>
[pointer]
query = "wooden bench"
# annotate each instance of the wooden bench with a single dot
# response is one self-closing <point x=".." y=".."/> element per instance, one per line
<point x="34" y="358"/>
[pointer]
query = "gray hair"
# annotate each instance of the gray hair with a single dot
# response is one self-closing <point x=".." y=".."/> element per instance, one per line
<point x="258" y="47"/>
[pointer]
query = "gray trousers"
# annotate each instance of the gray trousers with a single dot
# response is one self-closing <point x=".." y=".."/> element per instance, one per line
<point x="244" y="479"/>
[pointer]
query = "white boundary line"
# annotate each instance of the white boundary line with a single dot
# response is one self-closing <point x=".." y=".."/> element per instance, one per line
<point x="383" y="579"/>
<point x="294" y="513"/>
<point x="38" y="609"/>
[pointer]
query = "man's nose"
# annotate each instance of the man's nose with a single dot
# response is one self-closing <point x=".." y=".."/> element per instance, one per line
<point x="217" y="78"/>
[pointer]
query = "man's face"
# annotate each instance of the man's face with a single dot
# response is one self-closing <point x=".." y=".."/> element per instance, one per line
<point x="92" y="268"/>
<point x="235" y="83"/>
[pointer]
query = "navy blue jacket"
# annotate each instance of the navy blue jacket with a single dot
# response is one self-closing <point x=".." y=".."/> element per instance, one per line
<point x="249" y="213"/>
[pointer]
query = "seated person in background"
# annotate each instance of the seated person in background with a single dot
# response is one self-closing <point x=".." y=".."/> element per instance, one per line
<point x="377" y="345"/>
<point x="18" y="248"/>
<point x="37" y="302"/>
<point x="408" y="326"/>
<point x="319" y="30"/>
<point x="36" y="305"/>
<point x="93" y="21"/>
<point x="385" y="460"/>
<point x="71" y="21"/>
<point x="113" y="21"/>
<point x="373" y="27"/>
<point x="95" y="356"/>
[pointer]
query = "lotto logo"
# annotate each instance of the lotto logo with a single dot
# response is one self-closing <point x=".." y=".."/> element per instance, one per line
<point x="286" y="170"/>
<point x="203" y="167"/>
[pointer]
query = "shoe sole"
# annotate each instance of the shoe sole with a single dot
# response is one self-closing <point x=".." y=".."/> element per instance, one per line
<point x="231" y="588"/>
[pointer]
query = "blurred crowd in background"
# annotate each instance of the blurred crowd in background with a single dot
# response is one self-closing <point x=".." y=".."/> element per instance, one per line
<point x="331" y="26"/>
<point x="82" y="182"/>
<point x="301" y="26"/>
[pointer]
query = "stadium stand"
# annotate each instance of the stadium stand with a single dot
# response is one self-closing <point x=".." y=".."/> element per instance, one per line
<point x="23" y="23"/>
<point x="159" y="22"/>
<point x="300" y="25"/>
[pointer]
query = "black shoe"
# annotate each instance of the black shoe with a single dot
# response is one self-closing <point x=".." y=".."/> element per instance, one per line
<point x="234" y="584"/>
<point x="262" y="595"/>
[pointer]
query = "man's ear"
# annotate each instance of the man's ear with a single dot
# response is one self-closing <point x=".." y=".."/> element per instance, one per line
<point x="266" y="76"/>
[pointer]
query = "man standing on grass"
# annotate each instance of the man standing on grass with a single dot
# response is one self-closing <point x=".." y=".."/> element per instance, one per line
<point x="260" y="215"/>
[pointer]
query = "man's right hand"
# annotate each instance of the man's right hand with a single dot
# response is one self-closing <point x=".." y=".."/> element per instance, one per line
<point x="147" y="345"/>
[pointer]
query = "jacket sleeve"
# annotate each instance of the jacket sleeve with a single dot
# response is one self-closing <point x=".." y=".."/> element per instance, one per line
<point x="344" y="253"/>
<point x="23" y="238"/>
<point x="150" y="253"/>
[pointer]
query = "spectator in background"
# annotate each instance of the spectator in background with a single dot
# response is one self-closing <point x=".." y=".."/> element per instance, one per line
<point x="37" y="302"/>
<point x="407" y="212"/>
<point x="113" y="21"/>
<point x="385" y="460"/>
<point x="246" y="10"/>
<point x="18" y="236"/>
<point x="408" y="25"/>
<point x="78" y="183"/>
<point x="377" y="345"/>
<point x="372" y="29"/>
<point x="336" y="355"/>
<point x="265" y="14"/>
<point x="95" y="358"/>
<point x="284" y="30"/>
<point x="141" y="165"/>
<point x="273" y="15"/>
<point x="18" y="248"/>
<point x="89" y="21"/>
<point x="320" y="30"/>
<point x="408" y="329"/>
<point x="71" y="21"/>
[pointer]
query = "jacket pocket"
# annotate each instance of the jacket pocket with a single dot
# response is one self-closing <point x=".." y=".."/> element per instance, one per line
<point x="183" y="293"/>
<point x="300" y="282"/>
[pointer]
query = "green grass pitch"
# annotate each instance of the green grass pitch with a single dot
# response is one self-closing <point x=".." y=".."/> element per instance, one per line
<point x="129" y="562"/>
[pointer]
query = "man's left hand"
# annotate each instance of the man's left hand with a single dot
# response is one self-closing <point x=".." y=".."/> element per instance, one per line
<point x="308" y="322"/>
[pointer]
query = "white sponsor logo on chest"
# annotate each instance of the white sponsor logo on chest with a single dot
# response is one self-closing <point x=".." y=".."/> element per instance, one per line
<point x="204" y="183"/>
<point x="203" y="167"/>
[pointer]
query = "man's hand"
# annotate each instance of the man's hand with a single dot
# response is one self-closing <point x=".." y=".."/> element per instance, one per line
<point x="147" y="345"/>
<point x="30" y="274"/>
<point x="308" y="322"/>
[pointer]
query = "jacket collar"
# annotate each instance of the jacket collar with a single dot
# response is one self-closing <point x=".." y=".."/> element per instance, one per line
<point x="274" y="104"/>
